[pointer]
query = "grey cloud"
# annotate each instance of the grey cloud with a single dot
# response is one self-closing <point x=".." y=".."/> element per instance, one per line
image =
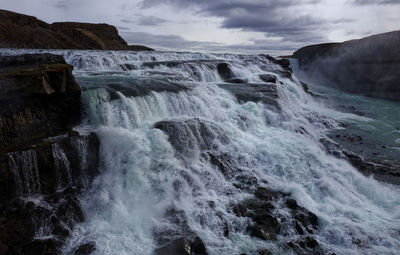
<point x="377" y="2"/>
<point x="150" y="20"/>
<point x="274" y="18"/>
<point x="163" y="41"/>
<point x="145" y="20"/>
<point x="173" y="42"/>
<point x="62" y="4"/>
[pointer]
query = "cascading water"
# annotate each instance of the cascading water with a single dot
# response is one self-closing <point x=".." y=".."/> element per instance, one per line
<point x="179" y="152"/>
<point x="24" y="166"/>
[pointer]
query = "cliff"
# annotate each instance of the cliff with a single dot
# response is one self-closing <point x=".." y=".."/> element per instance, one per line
<point x="44" y="164"/>
<point x="23" y="31"/>
<point x="368" y="66"/>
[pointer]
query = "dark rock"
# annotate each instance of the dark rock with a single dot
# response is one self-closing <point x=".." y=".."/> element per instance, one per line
<point x="235" y="80"/>
<point x="128" y="67"/>
<point x="291" y="203"/>
<point x="183" y="246"/>
<point x="283" y="62"/>
<point x="37" y="99"/>
<point x="265" y="93"/>
<point x="266" y="228"/>
<point x="264" y="252"/>
<point x="267" y="194"/>
<point x="225" y="71"/>
<point x="268" y="78"/>
<point x="47" y="246"/>
<point x="134" y="88"/>
<point x="86" y="249"/>
<point x="23" y="31"/>
<point x="40" y="156"/>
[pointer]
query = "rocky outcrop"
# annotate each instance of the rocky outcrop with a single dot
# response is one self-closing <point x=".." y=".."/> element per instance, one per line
<point x="23" y="31"/>
<point x="39" y="98"/>
<point x="367" y="66"/>
<point x="44" y="164"/>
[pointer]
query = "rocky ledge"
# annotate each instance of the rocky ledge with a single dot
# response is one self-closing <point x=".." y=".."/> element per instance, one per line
<point x="23" y="31"/>
<point x="44" y="164"/>
<point x="367" y="66"/>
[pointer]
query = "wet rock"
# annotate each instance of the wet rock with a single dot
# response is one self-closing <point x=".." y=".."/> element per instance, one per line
<point x="265" y="93"/>
<point x="223" y="162"/>
<point x="267" y="229"/>
<point x="225" y="71"/>
<point x="183" y="246"/>
<point x="245" y="181"/>
<point x="264" y="252"/>
<point x="128" y="67"/>
<point x="268" y="78"/>
<point x="291" y="203"/>
<point x="381" y="171"/>
<point x="136" y="87"/>
<point x="283" y="62"/>
<point x="267" y="194"/>
<point x="267" y="223"/>
<point x="235" y="80"/>
<point x="47" y="246"/>
<point x="179" y="239"/>
<point x="188" y="137"/>
<point x="305" y="246"/>
<point x="86" y="249"/>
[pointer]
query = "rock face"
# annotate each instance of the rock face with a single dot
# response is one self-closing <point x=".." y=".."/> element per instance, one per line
<point x="44" y="165"/>
<point x="39" y="98"/>
<point x="368" y="66"/>
<point x="23" y="31"/>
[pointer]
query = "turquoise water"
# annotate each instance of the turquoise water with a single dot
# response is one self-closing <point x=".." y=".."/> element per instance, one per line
<point x="379" y="125"/>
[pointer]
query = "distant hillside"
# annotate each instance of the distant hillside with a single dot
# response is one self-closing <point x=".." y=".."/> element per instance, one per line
<point x="368" y="66"/>
<point x="23" y="31"/>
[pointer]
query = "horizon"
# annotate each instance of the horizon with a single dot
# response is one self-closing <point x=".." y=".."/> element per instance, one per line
<point x="238" y="26"/>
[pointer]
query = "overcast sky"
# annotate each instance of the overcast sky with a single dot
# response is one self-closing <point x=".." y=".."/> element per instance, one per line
<point x="247" y="26"/>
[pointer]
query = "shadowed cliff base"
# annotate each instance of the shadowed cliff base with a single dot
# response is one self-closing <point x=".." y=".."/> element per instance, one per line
<point x="23" y="31"/>
<point x="44" y="164"/>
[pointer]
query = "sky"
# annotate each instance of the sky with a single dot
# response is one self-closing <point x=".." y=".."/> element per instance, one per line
<point x="240" y="26"/>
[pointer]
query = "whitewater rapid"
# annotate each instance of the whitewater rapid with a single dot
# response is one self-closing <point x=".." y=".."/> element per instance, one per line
<point x="143" y="176"/>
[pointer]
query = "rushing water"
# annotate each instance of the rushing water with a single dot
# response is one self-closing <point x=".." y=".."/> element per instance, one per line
<point x="143" y="176"/>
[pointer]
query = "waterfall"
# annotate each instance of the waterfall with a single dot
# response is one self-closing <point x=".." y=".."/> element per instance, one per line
<point x="182" y="148"/>
<point x="24" y="166"/>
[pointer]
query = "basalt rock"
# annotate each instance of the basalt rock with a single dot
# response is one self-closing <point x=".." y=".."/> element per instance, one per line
<point x="265" y="93"/>
<point x="44" y="164"/>
<point x="53" y="173"/>
<point x="267" y="223"/>
<point x="180" y="239"/>
<point x="38" y="97"/>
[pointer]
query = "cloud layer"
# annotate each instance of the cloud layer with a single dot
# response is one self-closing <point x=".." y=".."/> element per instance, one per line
<point x="248" y="26"/>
